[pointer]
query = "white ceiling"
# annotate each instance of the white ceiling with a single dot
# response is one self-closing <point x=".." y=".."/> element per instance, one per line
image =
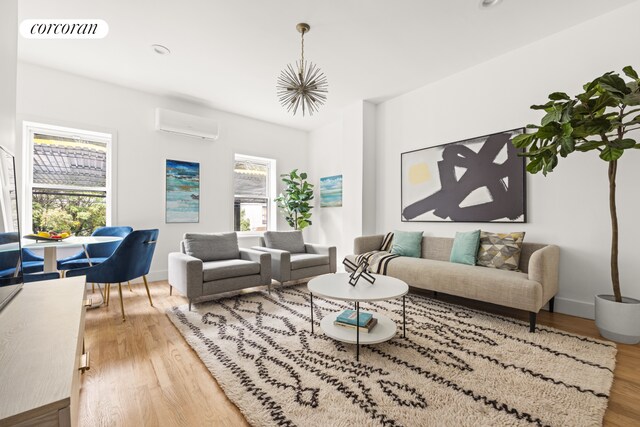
<point x="227" y="54"/>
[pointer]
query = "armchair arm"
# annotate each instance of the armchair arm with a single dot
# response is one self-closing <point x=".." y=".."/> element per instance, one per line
<point x="543" y="268"/>
<point x="280" y="263"/>
<point x="367" y="243"/>
<point x="261" y="257"/>
<point x="185" y="274"/>
<point x="331" y="251"/>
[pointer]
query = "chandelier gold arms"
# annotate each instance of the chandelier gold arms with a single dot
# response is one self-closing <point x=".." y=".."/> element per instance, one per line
<point x="304" y="86"/>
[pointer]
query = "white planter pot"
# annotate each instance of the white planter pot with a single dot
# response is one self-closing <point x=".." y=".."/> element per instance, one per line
<point x="618" y="321"/>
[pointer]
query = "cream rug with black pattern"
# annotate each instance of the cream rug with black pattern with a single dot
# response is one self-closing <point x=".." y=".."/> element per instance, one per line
<point x="456" y="367"/>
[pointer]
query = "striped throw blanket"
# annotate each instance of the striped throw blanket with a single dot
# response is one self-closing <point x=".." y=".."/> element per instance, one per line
<point x="379" y="260"/>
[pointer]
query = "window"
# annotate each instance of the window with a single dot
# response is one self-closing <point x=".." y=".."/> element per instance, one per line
<point x="67" y="185"/>
<point x="253" y="185"/>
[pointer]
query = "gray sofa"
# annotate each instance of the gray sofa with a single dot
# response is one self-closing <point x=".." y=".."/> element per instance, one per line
<point x="528" y="289"/>
<point x="293" y="259"/>
<point x="211" y="263"/>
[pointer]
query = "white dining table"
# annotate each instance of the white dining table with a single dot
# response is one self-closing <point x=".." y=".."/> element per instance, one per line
<point x="51" y="247"/>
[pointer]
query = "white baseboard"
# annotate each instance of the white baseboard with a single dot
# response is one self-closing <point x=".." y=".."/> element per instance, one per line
<point x="575" y="308"/>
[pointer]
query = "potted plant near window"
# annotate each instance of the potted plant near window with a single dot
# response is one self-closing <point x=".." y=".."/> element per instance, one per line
<point x="294" y="200"/>
<point x="601" y="119"/>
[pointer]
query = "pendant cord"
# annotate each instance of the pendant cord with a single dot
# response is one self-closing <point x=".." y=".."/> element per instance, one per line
<point x="302" y="53"/>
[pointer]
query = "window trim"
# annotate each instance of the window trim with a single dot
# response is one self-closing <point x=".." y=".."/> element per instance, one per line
<point x="29" y="129"/>
<point x="272" y="220"/>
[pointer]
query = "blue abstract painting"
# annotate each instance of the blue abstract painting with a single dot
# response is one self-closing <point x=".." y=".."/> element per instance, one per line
<point x="183" y="191"/>
<point x="331" y="191"/>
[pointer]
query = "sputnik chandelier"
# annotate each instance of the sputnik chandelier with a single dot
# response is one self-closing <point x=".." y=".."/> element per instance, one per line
<point x="302" y="85"/>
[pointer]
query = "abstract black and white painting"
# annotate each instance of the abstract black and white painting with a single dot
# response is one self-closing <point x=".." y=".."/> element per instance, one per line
<point x="475" y="180"/>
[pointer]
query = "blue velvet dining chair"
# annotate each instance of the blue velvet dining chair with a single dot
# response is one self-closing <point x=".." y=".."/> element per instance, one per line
<point x="132" y="259"/>
<point x="32" y="263"/>
<point x="98" y="253"/>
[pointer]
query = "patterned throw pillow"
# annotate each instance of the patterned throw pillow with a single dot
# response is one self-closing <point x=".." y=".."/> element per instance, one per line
<point x="498" y="250"/>
<point x="386" y="242"/>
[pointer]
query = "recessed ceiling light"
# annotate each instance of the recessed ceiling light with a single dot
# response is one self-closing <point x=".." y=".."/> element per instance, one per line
<point x="160" y="50"/>
<point x="489" y="3"/>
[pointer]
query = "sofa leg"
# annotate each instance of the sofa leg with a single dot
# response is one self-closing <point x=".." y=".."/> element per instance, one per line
<point x="551" y="301"/>
<point x="170" y="290"/>
<point x="532" y="321"/>
<point x="435" y="294"/>
<point x="189" y="304"/>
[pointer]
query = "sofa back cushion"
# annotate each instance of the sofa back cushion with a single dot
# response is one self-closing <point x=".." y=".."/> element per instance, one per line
<point x="211" y="246"/>
<point x="439" y="249"/>
<point x="290" y="241"/>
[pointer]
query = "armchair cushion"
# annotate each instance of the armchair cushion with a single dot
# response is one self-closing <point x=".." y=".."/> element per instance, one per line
<point x="290" y="241"/>
<point x="299" y="261"/>
<point x="212" y="247"/>
<point x="224" y="269"/>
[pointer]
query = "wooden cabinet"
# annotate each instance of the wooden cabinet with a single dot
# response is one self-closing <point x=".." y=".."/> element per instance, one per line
<point x="41" y="354"/>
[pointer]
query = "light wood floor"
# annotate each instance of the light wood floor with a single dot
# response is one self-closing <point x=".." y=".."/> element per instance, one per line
<point x="144" y="374"/>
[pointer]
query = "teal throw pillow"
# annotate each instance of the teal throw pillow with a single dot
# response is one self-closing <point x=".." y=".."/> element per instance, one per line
<point x="465" y="247"/>
<point x="407" y="243"/>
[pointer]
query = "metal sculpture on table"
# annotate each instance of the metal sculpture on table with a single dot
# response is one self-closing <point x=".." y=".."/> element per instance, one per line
<point x="358" y="270"/>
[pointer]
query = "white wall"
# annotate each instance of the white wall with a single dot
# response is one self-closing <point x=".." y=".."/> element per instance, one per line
<point x="570" y="206"/>
<point x="8" y="64"/>
<point x="345" y="147"/>
<point x="49" y="96"/>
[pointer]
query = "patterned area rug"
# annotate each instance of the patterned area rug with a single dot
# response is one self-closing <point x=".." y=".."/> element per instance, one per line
<point x="457" y="366"/>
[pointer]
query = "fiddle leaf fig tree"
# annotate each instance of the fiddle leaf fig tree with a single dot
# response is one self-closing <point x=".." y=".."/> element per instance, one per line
<point x="599" y="119"/>
<point x="294" y="200"/>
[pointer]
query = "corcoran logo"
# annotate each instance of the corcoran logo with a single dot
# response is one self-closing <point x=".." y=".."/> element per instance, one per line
<point x="64" y="29"/>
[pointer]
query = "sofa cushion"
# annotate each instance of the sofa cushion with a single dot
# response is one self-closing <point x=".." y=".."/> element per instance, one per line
<point x="407" y="243"/>
<point x="224" y="269"/>
<point x="465" y="247"/>
<point x="498" y="250"/>
<point x="290" y="241"/>
<point x="211" y="246"/>
<point x="299" y="261"/>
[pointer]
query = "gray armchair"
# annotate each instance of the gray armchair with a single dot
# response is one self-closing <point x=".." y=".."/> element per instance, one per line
<point x="209" y="264"/>
<point x="293" y="259"/>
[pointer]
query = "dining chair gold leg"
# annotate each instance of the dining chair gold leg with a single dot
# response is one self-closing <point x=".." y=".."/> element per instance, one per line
<point x="93" y="288"/>
<point x="146" y="285"/>
<point x="129" y="283"/>
<point x="121" y="302"/>
<point x="107" y="290"/>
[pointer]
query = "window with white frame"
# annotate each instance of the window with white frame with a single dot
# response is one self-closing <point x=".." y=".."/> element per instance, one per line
<point x="67" y="185"/>
<point x="254" y="186"/>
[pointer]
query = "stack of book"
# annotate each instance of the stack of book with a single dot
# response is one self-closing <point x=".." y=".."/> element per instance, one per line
<point x="347" y="319"/>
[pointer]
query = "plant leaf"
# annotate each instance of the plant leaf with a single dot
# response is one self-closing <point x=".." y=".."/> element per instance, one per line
<point x="630" y="72"/>
<point x="558" y="96"/>
<point x="614" y="84"/>
<point x="609" y="154"/>
<point x="623" y="144"/>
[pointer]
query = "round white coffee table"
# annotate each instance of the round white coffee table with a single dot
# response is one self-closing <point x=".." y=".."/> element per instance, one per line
<point x="336" y="286"/>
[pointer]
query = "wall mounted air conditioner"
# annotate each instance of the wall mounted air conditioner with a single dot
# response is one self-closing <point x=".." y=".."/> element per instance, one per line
<point x="186" y="124"/>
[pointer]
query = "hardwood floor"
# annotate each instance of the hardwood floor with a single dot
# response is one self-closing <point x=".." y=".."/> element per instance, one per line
<point x="144" y="373"/>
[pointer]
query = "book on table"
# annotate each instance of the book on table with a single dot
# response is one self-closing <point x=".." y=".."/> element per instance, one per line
<point x="366" y="329"/>
<point x="348" y="317"/>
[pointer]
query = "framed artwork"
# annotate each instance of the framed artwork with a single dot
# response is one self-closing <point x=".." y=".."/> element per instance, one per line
<point x="182" y="192"/>
<point x="331" y="191"/>
<point x="474" y="180"/>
